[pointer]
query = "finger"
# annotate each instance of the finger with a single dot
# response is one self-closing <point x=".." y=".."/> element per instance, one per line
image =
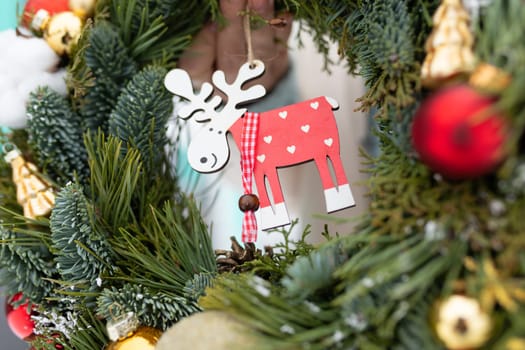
<point x="199" y="59"/>
<point x="281" y="34"/>
<point x="231" y="45"/>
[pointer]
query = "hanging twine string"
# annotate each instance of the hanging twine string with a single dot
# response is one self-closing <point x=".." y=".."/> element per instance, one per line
<point x="248" y="36"/>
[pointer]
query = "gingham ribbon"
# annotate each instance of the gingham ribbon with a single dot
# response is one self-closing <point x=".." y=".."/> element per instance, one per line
<point x="248" y="148"/>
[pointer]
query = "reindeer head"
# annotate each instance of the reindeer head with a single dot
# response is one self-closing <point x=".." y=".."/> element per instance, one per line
<point x="208" y="151"/>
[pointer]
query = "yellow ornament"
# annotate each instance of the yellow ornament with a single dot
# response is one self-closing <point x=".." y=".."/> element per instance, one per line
<point x="62" y="31"/>
<point x="449" y="46"/>
<point x="461" y="323"/>
<point x="489" y="78"/>
<point x="82" y="8"/>
<point x="144" y="338"/>
<point x="126" y="334"/>
<point x="33" y="193"/>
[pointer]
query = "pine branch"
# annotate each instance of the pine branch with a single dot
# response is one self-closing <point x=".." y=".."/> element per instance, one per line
<point x="55" y="135"/>
<point x="168" y="249"/>
<point x="115" y="178"/>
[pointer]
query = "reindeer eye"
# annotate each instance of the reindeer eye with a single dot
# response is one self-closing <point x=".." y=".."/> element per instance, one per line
<point x="220" y="132"/>
<point x="211" y="129"/>
<point x="203" y="160"/>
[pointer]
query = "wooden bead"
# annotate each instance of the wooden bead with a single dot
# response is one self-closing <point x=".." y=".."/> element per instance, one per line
<point x="248" y="202"/>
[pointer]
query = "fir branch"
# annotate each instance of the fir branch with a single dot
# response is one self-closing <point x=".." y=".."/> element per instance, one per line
<point x="141" y="114"/>
<point x="109" y="67"/>
<point x="155" y="309"/>
<point x="82" y="254"/>
<point x="25" y="265"/>
<point x="55" y="134"/>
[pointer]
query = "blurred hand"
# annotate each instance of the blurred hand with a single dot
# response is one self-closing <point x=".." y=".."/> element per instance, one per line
<point x="225" y="49"/>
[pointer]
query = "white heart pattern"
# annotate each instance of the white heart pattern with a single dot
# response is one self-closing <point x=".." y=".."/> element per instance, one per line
<point x="268" y="139"/>
<point x="305" y="128"/>
<point x="314" y="105"/>
<point x="329" y="141"/>
<point x="261" y="158"/>
<point x="291" y="149"/>
<point x="283" y="114"/>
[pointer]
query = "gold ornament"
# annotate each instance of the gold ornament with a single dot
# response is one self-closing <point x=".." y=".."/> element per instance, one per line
<point x="489" y="78"/>
<point x="33" y="193"/>
<point x="82" y="8"/>
<point x="126" y="334"/>
<point x="62" y="31"/>
<point x="461" y="323"/>
<point x="144" y="338"/>
<point x="449" y="46"/>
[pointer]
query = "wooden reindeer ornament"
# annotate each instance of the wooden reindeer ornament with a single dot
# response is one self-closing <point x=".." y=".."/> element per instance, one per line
<point x="278" y="138"/>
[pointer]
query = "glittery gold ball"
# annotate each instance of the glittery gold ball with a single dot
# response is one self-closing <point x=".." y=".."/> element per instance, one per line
<point x="144" y="338"/>
<point x="63" y="31"/>
<point x="461" y="323"/>
<point x="82" y="8"/>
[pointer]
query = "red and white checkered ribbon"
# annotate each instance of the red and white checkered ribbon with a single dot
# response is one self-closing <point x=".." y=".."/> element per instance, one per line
<point x="248" y="148"/>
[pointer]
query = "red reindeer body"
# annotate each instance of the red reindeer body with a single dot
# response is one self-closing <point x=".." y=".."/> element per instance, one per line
<point x="291" y="135"/>
<point x="286" y="136"/>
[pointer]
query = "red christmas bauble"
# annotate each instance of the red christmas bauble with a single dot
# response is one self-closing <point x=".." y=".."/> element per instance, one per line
<point x="18" y="318"/>
<point x="459" y="133"/>
<point x="51" y="6"/>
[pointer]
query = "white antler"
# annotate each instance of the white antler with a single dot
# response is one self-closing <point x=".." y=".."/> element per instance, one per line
<point x="236" y="95"/>
<point x="178" y="82"/>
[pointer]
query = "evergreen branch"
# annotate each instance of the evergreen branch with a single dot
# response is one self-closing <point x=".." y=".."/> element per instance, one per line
<point x="110" y="66"/>
<point x="114" y="180"/>
<point x="82" y="254"/>
<point x="141" y="114"/>
<point x="172" y="246"/>
<point x="55" y="135"/>
<point x="155" y="309"/>
<point x="24" y="268"/>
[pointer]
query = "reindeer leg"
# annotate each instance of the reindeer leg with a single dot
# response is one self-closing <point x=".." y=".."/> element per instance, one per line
<point x="271" y="216"/>
<point x="337" y="195"/>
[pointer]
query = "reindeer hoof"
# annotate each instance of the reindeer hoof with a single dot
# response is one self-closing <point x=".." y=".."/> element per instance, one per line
<point x="271" y="219"/>
<point x="338" y="198"/>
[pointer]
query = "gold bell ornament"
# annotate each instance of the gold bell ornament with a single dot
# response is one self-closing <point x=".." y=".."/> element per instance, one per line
<point x="126" y="333"/>
<point x="461" y="323"/>
<point x="450" y="45"/>
<point x="33" y="193"/>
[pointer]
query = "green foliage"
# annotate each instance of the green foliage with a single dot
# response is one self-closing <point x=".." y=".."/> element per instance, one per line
<point x="273" y="266"/>
<point x="141" y="113"/>
<point x="82" y="254"/>
<point x="167" y="249"/>
<point x="159" y="30"/>
<point x="109" y="66"/>
<point x="55" y="135"/>
<point x="154" y="309"/>
<point x="27" y="264"/>
<point x="114" y="181"/>
<point x="196" y="287"/>
<point x="91" y="333"/>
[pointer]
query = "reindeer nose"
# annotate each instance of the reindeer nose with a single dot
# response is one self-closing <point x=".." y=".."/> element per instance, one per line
<point x="203" y="160"/>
